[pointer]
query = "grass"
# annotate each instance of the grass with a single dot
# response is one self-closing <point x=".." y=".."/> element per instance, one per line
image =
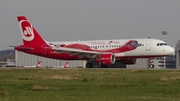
<point x="89" y="85"/>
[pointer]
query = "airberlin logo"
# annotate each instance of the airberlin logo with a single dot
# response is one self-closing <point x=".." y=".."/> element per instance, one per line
<point x="110" y="42"/>
<point x="113" y="42"/>
<point x="27" y="30"/>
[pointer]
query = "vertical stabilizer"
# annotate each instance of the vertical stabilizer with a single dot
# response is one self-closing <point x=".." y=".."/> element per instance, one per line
<point x="66" y="65"/>
<point x="29" y="35"/>
<point x="38" y="64"/>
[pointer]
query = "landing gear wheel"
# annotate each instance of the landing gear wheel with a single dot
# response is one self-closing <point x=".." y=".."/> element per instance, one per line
<point x="151" y="65"/>
<point x="89" y="65"/>
<point x="104" y="66"/>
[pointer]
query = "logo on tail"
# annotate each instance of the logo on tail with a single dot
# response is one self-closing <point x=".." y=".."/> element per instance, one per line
<point x="27" y="30"/>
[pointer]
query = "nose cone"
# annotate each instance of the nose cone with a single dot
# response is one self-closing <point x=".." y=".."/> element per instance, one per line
<point x="170" y="50"/>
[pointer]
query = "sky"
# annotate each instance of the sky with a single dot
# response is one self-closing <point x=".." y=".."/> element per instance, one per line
<point x="70" y="20"/>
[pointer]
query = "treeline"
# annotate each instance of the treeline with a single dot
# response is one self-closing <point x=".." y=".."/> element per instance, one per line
<point x="7" y="54"/>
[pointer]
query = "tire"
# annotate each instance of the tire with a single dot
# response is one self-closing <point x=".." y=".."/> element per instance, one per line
<point x="89" y="65"/>
<point x="151" y="66"/>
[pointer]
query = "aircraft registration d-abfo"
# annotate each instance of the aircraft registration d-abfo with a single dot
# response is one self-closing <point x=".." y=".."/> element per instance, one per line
<point x="104" y="52"/>
<point x="66" y="65"/>
<point x="38" y="65"/>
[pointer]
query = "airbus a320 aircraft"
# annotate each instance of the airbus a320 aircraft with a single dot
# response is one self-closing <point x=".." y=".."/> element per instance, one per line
<point x="104" y="52"/>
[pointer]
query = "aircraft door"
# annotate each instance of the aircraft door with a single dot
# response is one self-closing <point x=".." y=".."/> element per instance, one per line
<point x="148" y="45"/>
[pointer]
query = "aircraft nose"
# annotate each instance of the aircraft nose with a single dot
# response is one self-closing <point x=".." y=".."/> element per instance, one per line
<point x="170" y="50"/>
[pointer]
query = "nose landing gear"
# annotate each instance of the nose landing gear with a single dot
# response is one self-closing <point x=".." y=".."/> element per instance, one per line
<point x="151" y="65"/>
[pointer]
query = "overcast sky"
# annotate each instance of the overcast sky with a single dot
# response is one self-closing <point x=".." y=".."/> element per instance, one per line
<point x="66" y="20"/>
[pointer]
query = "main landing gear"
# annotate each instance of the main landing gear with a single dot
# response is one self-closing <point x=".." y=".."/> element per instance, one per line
<point x="90" y="65"/>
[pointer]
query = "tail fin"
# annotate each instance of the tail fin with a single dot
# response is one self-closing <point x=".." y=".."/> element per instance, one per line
<point x="66" y="65"/>
<point x="29" y="34"/>
<point x="38" y="64"/>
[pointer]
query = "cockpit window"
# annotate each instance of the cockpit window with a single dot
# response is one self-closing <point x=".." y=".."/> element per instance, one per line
<point x="161" y="44"/>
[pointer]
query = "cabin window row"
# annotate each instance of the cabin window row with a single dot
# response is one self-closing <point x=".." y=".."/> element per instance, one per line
<point x="110" y="46"/>
<point x="106" y="46"/>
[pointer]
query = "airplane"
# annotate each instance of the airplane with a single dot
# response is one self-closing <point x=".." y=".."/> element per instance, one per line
<point x="104" y="52"/>
<point x="38" y="65"/>
<point x="66" y="65"/>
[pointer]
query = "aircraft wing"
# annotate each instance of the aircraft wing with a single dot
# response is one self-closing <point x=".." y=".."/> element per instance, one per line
<point x="72" y="51"/>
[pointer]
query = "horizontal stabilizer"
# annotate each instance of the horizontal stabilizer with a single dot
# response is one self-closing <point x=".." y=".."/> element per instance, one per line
<point x="25" y="48"/>
<point x="11" y="46"/>
<point x="20" y="47"/>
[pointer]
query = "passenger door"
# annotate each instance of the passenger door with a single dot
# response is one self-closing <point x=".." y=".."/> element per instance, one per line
<point x="148" y="45"/>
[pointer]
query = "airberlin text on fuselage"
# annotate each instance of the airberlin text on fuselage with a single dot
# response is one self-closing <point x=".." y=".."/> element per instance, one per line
<point x="103" y="43"/>
<point x="27" y="30"/>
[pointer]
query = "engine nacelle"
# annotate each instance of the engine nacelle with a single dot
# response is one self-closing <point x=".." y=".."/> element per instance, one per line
<point x="106" y="59"/>
<point x="128" y="61"/>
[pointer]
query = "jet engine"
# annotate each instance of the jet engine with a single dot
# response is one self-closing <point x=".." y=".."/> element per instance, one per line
<point x="105" y="59"/>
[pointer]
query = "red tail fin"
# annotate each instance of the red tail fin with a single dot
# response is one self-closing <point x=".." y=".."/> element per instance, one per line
<point x="66" y="65"/>
<point x="29" y="34"/>
<point x="38" y="64"/>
